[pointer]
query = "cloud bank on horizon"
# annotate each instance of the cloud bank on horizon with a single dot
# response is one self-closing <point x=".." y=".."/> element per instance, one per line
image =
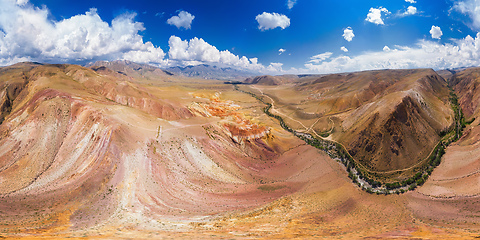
<point x="30" y="33"/>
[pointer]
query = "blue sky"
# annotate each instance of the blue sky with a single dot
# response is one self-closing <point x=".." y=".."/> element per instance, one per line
<point x="277" y="36"/>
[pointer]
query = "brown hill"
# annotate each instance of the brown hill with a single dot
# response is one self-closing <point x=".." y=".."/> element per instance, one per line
<point x="454" y="184"/>
<point x="458" y="175"/>
<point x="446" y="74"/>
<point x="388" y="120"/>
<point x="400" y="124"/>
<point x="271" y="80"/>
<point x="465" y="84"/>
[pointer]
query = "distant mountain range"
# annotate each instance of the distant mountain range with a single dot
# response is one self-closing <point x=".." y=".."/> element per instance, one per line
<point x="199" y="71"/>
<point x="211" y="72"/>
<point x="129" y="68"/>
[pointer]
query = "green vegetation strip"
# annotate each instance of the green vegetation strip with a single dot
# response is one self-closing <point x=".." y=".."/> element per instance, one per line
<point x="337" y="152"/>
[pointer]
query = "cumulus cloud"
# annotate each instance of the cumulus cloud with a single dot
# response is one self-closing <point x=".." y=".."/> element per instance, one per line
<point x="375" y="15"/>
<point x="196" y="51"/>
<point x="275" y="67"/>
<point x="268" y="21"/>
<point x="386" y="49"/>
<point x="348" y="34"/>
<point x="343" y="48"/>
<point x="436" y="32"/>
<point x="411" y="10"/>
<point x="425" y="54"/>
<point x="291" y="3"/>
<point x="470" y="8"/>
<point x="410" y="1"/>
<point x="281" y="50"/>
<point x="21" y="2"/>
<point x="184" y="19"/>
<point x="27" y="34"/>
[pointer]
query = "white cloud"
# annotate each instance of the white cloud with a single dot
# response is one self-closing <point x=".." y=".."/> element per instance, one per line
<point x="426" y="54"/>
<point x="184" y="19"/>
<point x="470" y="8"/>
<point x="410" y="1"/>
<point x="275" y="67"/>
<point x="436" y="32"/>
<point x="411" y="10"/>
<point x="386" y="49"/>
<point x="28" y="33"/>
<point x="281" y="50"/>
<point x="320" y="57"/>
<point x="21" y="2"/>
<point x="268" y="21"/>
<point x="375" y="15"/>
<point x="343" y="48"/>
<point x="196" y="51"/>
<point x="291" y="3"/>
<point x="348" y="34"/>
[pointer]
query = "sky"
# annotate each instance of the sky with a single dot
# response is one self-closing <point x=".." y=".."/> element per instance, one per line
<point x="265" y="36"/>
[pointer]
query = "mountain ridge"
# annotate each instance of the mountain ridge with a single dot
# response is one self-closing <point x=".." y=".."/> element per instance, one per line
<point x="211" y="72"/>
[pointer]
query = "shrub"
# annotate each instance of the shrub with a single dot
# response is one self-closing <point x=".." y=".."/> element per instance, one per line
<point x="420" y="182"/>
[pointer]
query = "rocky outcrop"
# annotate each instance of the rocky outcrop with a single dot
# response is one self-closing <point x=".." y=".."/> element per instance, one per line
<point x="236" y="125"/>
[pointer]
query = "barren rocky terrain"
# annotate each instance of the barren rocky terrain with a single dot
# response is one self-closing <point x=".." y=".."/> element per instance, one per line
<point x="127" y="151"/>
<point x="388" y="120"/>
